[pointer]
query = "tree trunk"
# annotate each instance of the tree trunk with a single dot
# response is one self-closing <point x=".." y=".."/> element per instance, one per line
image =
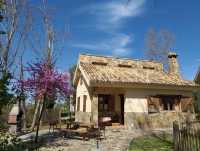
<point x="23" y="107"/>
<point x="35" y="115"/>
<point x="38" y="122"/>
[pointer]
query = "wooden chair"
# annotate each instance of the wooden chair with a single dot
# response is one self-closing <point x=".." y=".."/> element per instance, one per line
<point x="53" y="124"/>
<point x="103" y="121"/>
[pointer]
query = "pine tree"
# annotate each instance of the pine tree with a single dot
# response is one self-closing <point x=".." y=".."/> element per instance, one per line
<point x="5" y="96"/>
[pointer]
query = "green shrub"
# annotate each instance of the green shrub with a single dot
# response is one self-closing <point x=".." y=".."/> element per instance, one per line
<point x="8" y="141"/>
<point x="3" y="126"/>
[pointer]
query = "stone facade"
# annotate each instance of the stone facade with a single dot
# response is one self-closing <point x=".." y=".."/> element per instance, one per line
<point x="84" y="117"/>
<point x="157" y="120"/>
<point x="94" y="108"/>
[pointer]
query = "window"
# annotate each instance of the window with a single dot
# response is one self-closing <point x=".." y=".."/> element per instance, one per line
<point x="150" y="68"/>
<point x="103" y="102"/>
<point x="168" y="103"/>
<point x="187" y="104"/>
<point x="84" y="103"/>
<point x="78" y="104"/>
<point x="100" y="63"/>
<point x="163" y="103"/>
<point x="124" y="65"/>
<point x="153" y="104"/>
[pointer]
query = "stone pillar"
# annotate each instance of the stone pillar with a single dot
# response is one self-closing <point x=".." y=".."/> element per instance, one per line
<point x="95" y="109"/>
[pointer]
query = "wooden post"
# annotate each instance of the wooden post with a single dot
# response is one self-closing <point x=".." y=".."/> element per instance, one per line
<point x="95" y="109"/>
<point x="175" y="136"/>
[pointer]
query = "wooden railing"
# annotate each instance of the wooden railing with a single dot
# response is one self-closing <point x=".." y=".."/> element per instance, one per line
<point x="186" y="136"/>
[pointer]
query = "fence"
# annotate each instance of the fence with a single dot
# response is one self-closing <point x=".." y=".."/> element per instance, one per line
<point x="186" y="136"/>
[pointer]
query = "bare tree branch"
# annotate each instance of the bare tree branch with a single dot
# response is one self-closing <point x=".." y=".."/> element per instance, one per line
<point x="16" y="24"/>
<point x="158" y="45"/>
<point x="49" y="39"/>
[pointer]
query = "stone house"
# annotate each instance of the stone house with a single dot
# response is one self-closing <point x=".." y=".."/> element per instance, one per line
<point x="134" y="93"/>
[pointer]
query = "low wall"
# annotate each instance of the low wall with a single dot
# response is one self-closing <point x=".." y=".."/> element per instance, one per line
<point x="84" y="117"/>
<point x="156" y="120"/>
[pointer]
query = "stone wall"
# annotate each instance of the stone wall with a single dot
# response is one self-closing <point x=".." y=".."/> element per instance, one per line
<point x="84" y="117"/>
<point x="156" y="120"/>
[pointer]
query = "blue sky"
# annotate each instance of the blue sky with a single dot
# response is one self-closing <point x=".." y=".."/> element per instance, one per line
<point x="111" y="27"/>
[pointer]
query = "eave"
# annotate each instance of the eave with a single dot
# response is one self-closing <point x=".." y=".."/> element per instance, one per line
<point x="147" y="86"/>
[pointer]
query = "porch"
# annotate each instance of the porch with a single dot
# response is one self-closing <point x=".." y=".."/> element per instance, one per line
<point x="111" y="106"/>
<point x="108" y="103"/>
<point x="140" y="109"/>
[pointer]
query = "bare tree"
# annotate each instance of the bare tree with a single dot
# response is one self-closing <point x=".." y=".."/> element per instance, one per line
<point x="16" y="24"/>
<point x="50" y="41"/>
<point x="47" y="55"/>
<point x="158" y="45"/>
<point x="48" y="49"/>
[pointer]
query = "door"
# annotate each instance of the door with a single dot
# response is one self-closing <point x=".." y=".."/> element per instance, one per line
<point x="122" y="108"/>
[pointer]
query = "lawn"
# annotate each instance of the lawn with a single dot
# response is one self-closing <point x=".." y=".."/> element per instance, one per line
<point x="152" y="143"/>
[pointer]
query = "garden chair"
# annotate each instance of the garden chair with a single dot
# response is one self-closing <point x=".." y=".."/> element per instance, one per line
<point x="53" y="125"/>
<point x="103" y="121"/>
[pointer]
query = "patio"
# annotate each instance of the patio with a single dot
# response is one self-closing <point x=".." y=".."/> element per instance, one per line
<point x="117" y="139"/>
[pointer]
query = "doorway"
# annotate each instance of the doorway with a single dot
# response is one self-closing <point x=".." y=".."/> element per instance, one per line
<point x="122" y="108"/>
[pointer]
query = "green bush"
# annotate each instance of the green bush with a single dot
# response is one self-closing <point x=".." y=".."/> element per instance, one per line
<point x="8" y="141"/>
<point x="3" y="126"/>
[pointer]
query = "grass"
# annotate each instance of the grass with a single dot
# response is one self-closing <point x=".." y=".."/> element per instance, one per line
<point x="152" y="143"/>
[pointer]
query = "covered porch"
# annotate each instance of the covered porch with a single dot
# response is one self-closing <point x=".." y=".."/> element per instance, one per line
<point x="108" y="103"/>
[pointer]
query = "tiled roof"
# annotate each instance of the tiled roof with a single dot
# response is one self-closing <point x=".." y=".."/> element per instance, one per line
<point x="100" y="69"/>
<point x="100" y="73"/>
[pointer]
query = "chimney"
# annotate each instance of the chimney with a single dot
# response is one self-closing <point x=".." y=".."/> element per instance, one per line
<point x="173" y="64"/>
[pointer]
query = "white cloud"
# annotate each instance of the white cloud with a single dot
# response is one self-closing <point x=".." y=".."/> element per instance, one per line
<point x="113" y="13"/>
<point x="109" y="16"/>
<point x="118" y="45"/>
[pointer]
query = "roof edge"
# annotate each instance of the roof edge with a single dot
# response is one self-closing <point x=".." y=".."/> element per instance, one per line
<point x="151" y="85"/>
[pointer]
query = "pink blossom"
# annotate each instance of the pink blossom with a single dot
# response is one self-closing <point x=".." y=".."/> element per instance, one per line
<point x="46" y="80"/>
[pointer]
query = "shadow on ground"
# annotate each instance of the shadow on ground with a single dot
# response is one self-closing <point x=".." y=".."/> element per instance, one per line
<point x="43" y="140"/>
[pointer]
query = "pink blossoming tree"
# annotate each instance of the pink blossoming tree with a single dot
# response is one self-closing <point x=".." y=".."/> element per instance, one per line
<point x="45" y="84"/>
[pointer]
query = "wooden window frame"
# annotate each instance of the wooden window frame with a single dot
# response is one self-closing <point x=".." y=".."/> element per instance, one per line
<point x="103" y="104"/>
<point x="154" y="102"/>
<point x="187" y="105"/>
<point x="168" y="103"/>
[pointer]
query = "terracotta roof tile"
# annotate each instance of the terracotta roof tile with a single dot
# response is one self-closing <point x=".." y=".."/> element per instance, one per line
<point x="115" y="74"/>
<point x="106" y="70"/>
